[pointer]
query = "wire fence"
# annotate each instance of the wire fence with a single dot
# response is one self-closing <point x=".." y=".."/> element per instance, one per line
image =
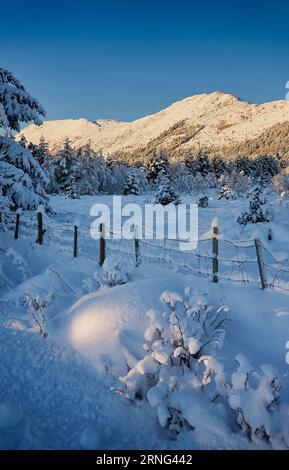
<point x="216" y="258"/>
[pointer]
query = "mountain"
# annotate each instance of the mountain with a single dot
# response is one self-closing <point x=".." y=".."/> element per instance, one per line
<point x="215" y="123"/>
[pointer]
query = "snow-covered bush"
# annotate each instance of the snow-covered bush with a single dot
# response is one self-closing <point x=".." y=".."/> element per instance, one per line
<point x="115" y="271"/>
<point x="180" y="361"/>
<point x="36" y="306"/>
<point x="255" y="398"/>
<point x="203" y="201"/>
<point x="257" y="211"/>
<point x="165" y="193"/>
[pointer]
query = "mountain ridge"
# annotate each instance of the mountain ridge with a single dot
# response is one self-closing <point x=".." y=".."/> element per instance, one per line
<point x="209" y="122"/>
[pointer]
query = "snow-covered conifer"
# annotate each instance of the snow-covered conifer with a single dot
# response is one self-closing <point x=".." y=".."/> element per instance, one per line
<point x="16" y="105"/>
<point x="257" y="211"/>
<point x="157" y="164"/>
<point x="233" y="185"/>
<point x="22" y="181"/>
<point x="66" y="169"/>
<point x="132" y="182"/>
<point x="198" y="164"/>
<point x="165" y="193"/>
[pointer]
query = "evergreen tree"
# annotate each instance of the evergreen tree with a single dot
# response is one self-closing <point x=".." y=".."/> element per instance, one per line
<point x="257" y="211"/>
<point x="16" y="105"/>
<point x="22" y="141"/>
<point x="22" y="181"/>
<point x="198" y="164"/>
<point x="40" y="152"/>
<point x="132" y="182"/>
<point x="156" y="165"/>
<point x="165" y="193"/>
<point x="219" y="167"/>
<point x="233" y="185"/>
<point x="66" y="170"/>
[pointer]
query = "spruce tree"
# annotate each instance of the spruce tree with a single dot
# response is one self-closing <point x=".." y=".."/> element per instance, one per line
<point x="165" y="193"/>
<point x="22" y="181"/>
<point x="65" y="171"/>
<point x="257" y="211"/>
<point x="156" y="165"/>
<point x="132" y="182"/>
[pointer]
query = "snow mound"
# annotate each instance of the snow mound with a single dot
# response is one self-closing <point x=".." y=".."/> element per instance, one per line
<point x="107" y="326"/>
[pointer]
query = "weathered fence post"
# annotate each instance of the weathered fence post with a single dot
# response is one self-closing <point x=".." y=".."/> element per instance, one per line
<point x="75" y="239"/>
<point x="40" y="227"/>
<point x="215" y="262"/>
<point x="101" y="244"/>
<point x="260" y="263"/>
<point x="16" y="233"/>
<point x="136" y="246"/>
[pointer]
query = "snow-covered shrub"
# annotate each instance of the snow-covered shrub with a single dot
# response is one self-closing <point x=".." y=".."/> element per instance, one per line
<point x="257" y="211"/>
<point x="255" y="398"/>
<point x="115" y="271"/>
<point x="36" y="306"/>
<point x="203" y="201"/>
<point x="165" y="193"/>
<point x="180" y="362"/>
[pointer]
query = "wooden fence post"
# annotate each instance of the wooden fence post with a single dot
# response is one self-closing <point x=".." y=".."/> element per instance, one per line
<point x="102" y="244"/>
<point x="16" y="233"/>
<point x="75" y="239"/>
<point x="136" y="246"/>
<point x="40" y="227"/>
<point x="260" y="263"/>
<point x="215" y="262"/>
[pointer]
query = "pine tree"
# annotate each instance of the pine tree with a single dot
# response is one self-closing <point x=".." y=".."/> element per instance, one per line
<point x="198" y="164"/>
<point x="256" y="212"/>
<point x="165" y="193"/>
<point x="156" y="165"/>
<point x="16" y="105"/>
<point x="132" y="182"/>
<point x="65" y="171"/>
<point x="22" y="181"/>
<point x="22" y="141"/>
<point x="219" y="167"/>
<point x="233" y="185"/>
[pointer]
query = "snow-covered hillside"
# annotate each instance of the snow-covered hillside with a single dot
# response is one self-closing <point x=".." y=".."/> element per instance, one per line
<point x="210" y="122"/>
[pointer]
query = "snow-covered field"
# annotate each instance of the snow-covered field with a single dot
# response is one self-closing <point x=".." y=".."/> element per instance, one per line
<point x="56" y="387"/>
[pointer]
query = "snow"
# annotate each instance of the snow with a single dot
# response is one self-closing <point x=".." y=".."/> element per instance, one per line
<point x="56" y="391"/>
<point x="210" y="111"/>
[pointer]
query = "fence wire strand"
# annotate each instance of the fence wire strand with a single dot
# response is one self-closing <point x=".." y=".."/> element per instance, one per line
<point x="242" y="267"/>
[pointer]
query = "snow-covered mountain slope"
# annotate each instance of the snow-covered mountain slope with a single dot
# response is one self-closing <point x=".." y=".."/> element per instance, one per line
<point x="215" y="122"/>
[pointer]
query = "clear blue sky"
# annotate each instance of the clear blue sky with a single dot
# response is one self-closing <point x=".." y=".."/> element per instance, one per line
<point x="125" y="59"/>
